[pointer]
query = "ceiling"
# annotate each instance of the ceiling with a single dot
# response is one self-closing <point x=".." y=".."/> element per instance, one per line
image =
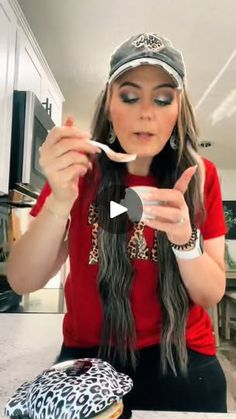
<point x="78" y="37"/>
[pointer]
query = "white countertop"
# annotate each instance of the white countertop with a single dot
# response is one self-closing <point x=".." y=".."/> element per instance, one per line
<point x="29" y="343"/>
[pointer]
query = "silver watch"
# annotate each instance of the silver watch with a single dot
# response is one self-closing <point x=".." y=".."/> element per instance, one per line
<point x="192" y="253"/>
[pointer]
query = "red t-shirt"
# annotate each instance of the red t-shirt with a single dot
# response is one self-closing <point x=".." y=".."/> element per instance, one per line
<point x="83" y="321"/>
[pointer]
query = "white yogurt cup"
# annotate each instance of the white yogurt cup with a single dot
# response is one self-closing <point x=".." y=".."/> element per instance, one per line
<point x="140" y="191"/>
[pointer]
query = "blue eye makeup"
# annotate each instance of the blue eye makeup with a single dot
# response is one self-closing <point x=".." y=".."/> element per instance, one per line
<point x="128" y="98"/>
<point x="163" y="100"/>
<point x="160" y="100"/>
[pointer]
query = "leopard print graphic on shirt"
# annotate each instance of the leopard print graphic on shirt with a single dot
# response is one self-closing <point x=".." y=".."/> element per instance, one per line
<point x="137" y="245"/>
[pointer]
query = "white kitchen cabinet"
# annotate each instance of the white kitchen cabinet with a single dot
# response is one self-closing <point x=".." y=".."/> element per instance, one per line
<point x="22" y="67"/>
<point x="7" y="67"/>
<point x="29" y="72"/>
<point x="33" y="75"/>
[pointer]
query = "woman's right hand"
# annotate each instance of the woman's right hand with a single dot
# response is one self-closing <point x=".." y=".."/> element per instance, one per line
<point x="64" y="157"/>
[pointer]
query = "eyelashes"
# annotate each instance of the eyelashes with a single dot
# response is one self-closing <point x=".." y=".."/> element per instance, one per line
<point x="161" y="100"/>
<point x="164" y="101"/>
<point x="128" y="98"/>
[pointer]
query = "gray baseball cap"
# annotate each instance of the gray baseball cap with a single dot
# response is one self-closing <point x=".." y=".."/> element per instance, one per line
<point x="147" y="49"/>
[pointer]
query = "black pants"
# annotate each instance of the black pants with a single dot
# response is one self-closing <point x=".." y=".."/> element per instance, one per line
<point x="204" y="389"/>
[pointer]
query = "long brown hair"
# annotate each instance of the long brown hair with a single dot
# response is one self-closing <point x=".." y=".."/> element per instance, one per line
<point x="115" y="274"/>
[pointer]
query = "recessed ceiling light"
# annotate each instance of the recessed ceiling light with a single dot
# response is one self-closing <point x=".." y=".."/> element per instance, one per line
<point x="205" y="144"/>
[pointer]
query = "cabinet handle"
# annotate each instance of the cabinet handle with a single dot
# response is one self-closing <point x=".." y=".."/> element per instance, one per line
<point x="50" y="110"/>
<point x="48" y="106"/>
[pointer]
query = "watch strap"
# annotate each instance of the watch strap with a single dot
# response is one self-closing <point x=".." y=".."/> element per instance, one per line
<point x="194" y="252"/>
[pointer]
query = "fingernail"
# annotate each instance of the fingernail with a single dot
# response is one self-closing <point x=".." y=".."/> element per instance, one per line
<point x="146" y="196"/>
<point x="147" y="209"/>
<point x="83" y="172"/>
<point x="69" y="121"/>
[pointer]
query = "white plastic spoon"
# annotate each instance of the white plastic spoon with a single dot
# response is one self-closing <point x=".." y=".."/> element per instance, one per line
<point x="113" y="155"/>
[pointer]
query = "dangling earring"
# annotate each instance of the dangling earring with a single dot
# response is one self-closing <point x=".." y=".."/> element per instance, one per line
<point x="174" y="142"/>
<point x="112" y="135"/>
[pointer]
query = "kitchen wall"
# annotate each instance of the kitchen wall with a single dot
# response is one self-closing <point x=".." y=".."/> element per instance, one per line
<point x="228" y="187"/>
<point x="228" y="184"/>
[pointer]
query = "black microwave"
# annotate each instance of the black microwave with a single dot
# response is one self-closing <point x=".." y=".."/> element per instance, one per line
<point x="30" y="125"/>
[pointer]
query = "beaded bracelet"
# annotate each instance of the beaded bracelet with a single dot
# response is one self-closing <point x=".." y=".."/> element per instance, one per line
<point x="191" y="241"/>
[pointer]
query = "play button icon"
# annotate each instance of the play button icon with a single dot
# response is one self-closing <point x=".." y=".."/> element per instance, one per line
<point x="116" y="209"/>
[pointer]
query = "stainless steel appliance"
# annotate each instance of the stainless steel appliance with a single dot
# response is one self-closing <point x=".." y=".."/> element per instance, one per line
<point x="30" y="125"/>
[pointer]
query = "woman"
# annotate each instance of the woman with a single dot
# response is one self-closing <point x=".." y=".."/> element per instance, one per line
<point x="136" y="297"/>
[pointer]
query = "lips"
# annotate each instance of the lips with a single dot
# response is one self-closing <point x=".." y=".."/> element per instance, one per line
<point x="144" y="135"/>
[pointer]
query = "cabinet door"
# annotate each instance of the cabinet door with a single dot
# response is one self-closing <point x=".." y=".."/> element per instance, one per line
<point x="31" y="75"/>
<point x="7" y="66"/>
<point x="29" y="72"/>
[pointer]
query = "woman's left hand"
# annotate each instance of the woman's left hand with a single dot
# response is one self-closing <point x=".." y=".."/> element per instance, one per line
<point x="173" y="216"/>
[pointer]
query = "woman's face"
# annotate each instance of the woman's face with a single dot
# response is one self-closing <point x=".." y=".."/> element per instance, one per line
<point x="144" y="109"/>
